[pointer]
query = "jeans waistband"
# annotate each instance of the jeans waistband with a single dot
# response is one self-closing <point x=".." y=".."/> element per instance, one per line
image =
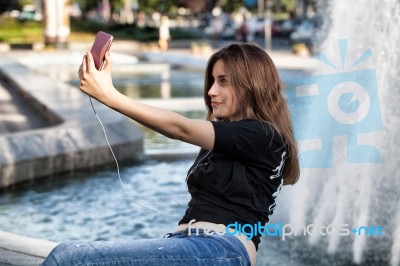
<point x="192" y="231"/>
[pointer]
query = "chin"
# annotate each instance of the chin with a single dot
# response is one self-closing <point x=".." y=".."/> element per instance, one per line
<point x="222" y="118"/>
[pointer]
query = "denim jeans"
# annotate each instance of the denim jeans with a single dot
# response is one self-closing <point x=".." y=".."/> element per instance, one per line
<point x="180" y="248"/>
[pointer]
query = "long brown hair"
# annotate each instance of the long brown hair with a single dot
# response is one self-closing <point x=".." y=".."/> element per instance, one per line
<point x="255" y="79"/>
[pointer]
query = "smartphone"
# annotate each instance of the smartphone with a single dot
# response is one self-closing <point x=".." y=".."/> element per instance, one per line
<point x="100" y="47"/>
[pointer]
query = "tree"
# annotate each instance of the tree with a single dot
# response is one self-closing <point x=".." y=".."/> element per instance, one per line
<point x="7" y="5"/>
<point x="285" y="6"/>
<point x="162" y="6"/>
<point x="230" y="6"/>
<point x="198" y="6"/>
<point x="194" y="6"/>
<point x="116" y="4"/>
<point x="87" y="5"/>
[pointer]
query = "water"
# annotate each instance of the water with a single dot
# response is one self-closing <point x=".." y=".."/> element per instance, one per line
<point x="94" y="206"/>
<point x="171" y="89"/>
<point x="363" y="194"/>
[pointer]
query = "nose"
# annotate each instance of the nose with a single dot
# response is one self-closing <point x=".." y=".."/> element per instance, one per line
<point x="213" y="91"/>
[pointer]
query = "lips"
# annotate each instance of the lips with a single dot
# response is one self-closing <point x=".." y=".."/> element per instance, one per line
<point x="215" y="104"/>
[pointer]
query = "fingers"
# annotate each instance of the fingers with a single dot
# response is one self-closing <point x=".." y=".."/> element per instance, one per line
<point x="79" y="72"/>
<point x="86" y="66"/>
<point x="82" y="67"/>
<point x="89" y="62"/>
<point x="108" y="63"/>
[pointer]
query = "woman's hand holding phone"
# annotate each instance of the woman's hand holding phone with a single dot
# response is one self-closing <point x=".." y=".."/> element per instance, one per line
<point x="96" y="83"/>
<point x="100" y="48"/>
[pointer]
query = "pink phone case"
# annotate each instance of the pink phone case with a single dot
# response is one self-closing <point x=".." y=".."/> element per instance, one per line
<point x="100" y="47"/>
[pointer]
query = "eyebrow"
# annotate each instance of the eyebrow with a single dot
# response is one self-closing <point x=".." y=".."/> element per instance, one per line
<point x="220" y="76"/>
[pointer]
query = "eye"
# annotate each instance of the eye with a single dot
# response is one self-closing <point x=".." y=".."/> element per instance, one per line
<point x="223" y="81"/>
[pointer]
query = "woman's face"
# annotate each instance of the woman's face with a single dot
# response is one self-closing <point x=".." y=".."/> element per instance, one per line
<point x="223" y="100"/>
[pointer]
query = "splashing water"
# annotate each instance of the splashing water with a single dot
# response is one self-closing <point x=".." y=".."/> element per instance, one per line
<point x="360" y="184"/>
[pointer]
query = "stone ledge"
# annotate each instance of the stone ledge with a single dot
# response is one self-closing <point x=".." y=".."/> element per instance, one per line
<point x="75" y="139"/>
<point x="21" y="250"/>
<point x="6" y="47"/>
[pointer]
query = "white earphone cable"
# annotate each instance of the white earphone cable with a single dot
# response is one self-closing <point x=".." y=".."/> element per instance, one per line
<point x="116" y="161"/>
<point x="118" y="172"/>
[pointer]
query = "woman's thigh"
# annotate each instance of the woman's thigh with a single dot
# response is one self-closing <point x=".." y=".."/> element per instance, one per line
<point x="176" y="250"/>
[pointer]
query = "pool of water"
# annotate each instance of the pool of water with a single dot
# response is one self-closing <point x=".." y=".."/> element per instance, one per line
<point x="95" y="206"/>
<point x="83" y="206"/>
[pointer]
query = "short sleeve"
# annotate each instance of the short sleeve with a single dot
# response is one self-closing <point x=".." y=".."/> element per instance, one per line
<point x="245" y="139"/>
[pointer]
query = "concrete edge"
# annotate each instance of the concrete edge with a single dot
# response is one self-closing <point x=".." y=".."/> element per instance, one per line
<point x="75" y="139"/>
<point x="26" y="245"/>
<point x="49" y="116"/>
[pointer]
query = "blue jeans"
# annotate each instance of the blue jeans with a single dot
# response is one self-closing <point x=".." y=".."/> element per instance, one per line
<point x="180" y="248"/>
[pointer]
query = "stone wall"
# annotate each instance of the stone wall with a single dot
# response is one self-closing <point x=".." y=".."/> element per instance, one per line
<point x="74" y="139"/>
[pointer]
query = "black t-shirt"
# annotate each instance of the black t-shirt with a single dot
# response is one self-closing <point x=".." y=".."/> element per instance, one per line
<point x="239" y="179"/>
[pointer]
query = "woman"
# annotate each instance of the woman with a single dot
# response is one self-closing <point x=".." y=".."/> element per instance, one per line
<point x="247" y="153"/>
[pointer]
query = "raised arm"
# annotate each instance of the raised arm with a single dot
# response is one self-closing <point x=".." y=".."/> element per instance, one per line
<point x="98" y="84"/>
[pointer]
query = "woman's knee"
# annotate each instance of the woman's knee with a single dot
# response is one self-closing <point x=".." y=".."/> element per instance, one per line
<point x="63" y="254"/>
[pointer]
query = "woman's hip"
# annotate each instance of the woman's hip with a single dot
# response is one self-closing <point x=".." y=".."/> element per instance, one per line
<point x="180" y="248"/>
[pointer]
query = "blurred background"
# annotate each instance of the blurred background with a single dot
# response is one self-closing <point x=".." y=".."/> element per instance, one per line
<point x="356" y="43"/>
<point x="284" y="24"/>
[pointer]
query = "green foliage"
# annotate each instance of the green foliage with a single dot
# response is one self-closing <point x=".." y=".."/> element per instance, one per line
<point x="230" y="5"/>
<point x="25" y="2"/>
<point x="162" y="6"/>
<point x="14" y="31"/>
<point x="116" y="4"/>
<point x="86" y="5"/>
<point x="120" y="32"/>
<point x="17" y="32"/>
<point x="83" y="25"/>
<point x="125" y="32"/>
<point x="13" y="4"/>
<point x="285" y="5"/>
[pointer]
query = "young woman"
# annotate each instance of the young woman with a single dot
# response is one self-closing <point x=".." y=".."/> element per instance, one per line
<point x="247" y="153"/>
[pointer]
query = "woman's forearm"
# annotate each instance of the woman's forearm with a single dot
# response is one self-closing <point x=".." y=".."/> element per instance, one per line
<point x="163" y="121"/>
<point x="168" y="123"/>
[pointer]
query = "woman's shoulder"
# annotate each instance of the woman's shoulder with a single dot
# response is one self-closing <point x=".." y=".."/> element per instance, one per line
<point x="251" y="129"/>
<point x="265" y="128"/>
<point x="257" y="126"/>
